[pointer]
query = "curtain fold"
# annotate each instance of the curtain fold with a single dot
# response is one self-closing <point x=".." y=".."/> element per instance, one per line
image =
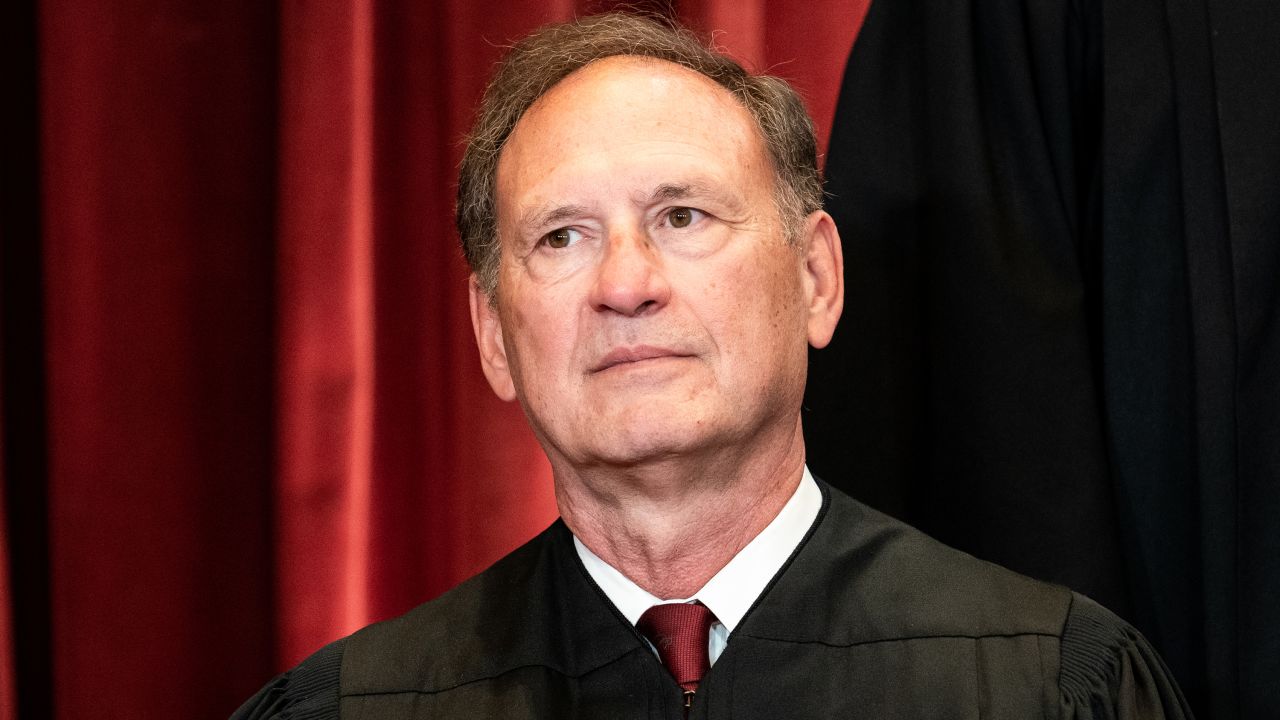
<point x="1060" y="350"/>
<point x="157" y="141"/>
<point x="266" y="422"/>
<point x="325" y="356"/>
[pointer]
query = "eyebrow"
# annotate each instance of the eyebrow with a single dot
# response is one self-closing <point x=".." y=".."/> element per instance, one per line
<point x="671" y="191"/>
<point x="540" y="217"/>
<point x="668" y="192"/>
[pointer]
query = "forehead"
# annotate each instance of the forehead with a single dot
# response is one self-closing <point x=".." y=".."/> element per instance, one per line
<point x="631" y="110"/>
<point x="630" y="84"/>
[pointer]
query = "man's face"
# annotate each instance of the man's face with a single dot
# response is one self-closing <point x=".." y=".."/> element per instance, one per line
<point x="648" y="302"/>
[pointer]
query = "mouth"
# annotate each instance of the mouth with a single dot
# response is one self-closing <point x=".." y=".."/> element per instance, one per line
<point x="624" y="356"/>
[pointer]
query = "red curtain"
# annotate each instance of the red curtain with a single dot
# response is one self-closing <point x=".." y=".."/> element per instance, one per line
<point x="266" y="425"/>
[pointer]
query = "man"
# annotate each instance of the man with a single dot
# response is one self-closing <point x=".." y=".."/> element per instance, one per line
<point x="651" y="261"/>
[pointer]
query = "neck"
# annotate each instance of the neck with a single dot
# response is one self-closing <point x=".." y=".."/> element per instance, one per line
<point x="671" y="524"/>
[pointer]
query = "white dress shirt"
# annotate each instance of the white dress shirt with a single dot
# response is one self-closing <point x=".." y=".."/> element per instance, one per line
<point x="731" y="592"/>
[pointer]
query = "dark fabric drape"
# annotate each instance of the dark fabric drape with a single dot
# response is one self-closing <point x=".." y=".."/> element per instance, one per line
<point x="23" y="502"/>
<point x="1061" y="346"/>
<point x="242" y="409"/>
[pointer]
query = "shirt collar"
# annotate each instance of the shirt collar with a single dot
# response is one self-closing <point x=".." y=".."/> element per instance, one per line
<point x="733" y="590"/>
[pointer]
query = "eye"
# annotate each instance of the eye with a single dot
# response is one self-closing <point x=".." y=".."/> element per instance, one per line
<point x="682" y="217"/>
<point x="561" y="238"/>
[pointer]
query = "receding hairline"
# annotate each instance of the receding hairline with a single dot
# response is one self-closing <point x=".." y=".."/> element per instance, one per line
<point x="718" y="90"/>
<point x="626" y="59"/>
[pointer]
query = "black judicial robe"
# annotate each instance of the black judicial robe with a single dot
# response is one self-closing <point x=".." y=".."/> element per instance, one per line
<point x="868" y="619"/>
<point x="1060" y="347"/>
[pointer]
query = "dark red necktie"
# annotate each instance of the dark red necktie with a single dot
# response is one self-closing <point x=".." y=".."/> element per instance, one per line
<point x="679" y="632"/>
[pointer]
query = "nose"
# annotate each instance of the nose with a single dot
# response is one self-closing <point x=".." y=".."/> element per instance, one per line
<point x="630" y="279"/>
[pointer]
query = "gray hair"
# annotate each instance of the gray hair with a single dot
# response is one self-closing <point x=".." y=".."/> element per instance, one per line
<point x="537" y="63"/>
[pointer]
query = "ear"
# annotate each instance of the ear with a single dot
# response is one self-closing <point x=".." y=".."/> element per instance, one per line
<point x="493" y="354"/>
<point x="823" y="277"/>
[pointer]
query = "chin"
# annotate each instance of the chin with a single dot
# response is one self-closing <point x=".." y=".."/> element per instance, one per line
<point x="638" y="454"/>
<point x="636" y="443"/>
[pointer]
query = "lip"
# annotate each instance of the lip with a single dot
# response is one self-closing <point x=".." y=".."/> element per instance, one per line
<point x="634" y="354"/>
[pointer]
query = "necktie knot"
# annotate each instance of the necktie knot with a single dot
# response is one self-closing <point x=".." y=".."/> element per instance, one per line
<point x="679" y="632"/>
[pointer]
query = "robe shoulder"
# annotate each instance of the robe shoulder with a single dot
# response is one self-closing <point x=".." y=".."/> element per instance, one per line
<point x="307" y="692"/>
<point x="864" y="577"/>
<point x="1110" y="671"/>
<point x="404" y="653"/>
<point x="534" y="608"/>
<point x="866" y="580"/>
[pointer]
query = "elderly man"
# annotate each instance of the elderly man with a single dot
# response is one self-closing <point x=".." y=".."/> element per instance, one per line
<point x="651" y="261"/>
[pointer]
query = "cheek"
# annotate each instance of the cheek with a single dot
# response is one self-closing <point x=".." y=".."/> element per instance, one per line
<point x="733" y="302"/>
<point x="766" y="309"/>
<point x="537" y="338"/>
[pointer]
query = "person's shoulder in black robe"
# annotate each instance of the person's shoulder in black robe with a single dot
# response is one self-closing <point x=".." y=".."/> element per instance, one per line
<point x="869" y="618"/>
